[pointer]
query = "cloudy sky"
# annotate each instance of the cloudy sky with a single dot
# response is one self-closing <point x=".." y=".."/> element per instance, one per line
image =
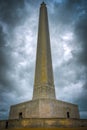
<point x="18" y="39"/>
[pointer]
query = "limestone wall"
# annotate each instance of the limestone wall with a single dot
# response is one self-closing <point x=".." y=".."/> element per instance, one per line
<point x="44" y="123"/>
<point x="28" y="110"/>
<point x="44" y="108"/>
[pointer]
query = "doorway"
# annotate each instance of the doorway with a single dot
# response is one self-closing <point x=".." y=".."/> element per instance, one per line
<point x="20" y="115"/>
<point x="68" y="115"/>
<point x="6" y="125"/>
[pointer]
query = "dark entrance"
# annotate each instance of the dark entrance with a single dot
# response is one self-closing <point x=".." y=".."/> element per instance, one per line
<point x="68" y="115"/>
<point x="6" y="125"/>
<point x="20" y="115"/>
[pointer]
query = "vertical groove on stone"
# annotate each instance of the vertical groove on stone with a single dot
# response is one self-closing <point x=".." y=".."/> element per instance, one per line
<point x="44" y="82"/>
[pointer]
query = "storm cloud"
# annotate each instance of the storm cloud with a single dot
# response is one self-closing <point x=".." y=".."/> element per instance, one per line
<point x="18" y="39"/>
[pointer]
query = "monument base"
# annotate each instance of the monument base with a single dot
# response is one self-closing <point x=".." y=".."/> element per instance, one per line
<point x="44" y="123"/>
<point x="44" y="108"/>
<point x="44" y="113"/>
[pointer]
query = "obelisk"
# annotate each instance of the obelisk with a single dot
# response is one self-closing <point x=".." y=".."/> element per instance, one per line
<point x="44" y="103"/>
<point x="44" y="82"/>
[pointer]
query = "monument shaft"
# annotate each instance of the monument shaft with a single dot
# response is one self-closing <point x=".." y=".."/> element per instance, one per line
<point x="44" y="82"/>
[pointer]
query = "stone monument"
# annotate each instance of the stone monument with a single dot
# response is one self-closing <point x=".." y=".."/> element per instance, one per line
<point x="44" y="103"/>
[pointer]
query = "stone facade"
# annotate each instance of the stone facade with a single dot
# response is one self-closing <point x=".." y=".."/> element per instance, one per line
<point x="44" y="108"/>
<point x="44" y="123"/>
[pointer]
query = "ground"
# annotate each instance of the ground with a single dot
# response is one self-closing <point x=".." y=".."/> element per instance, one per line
<point x="79" y="128"/>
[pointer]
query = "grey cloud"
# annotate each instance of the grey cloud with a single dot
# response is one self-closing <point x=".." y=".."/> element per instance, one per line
<point x="82" y="102"/>
<point x="73" y="14"/>
<point x="2" y="37"/>
<point x="83" y="114"/>
<point x="11" y="11"/>
<point x="6" y="66"/>
<point x="85" y="84"/>
<point x="65" y="12"/>
<point x="81" y="33"/>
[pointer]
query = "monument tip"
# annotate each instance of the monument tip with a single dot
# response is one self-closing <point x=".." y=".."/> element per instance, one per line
<point x="43" y="4"/>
